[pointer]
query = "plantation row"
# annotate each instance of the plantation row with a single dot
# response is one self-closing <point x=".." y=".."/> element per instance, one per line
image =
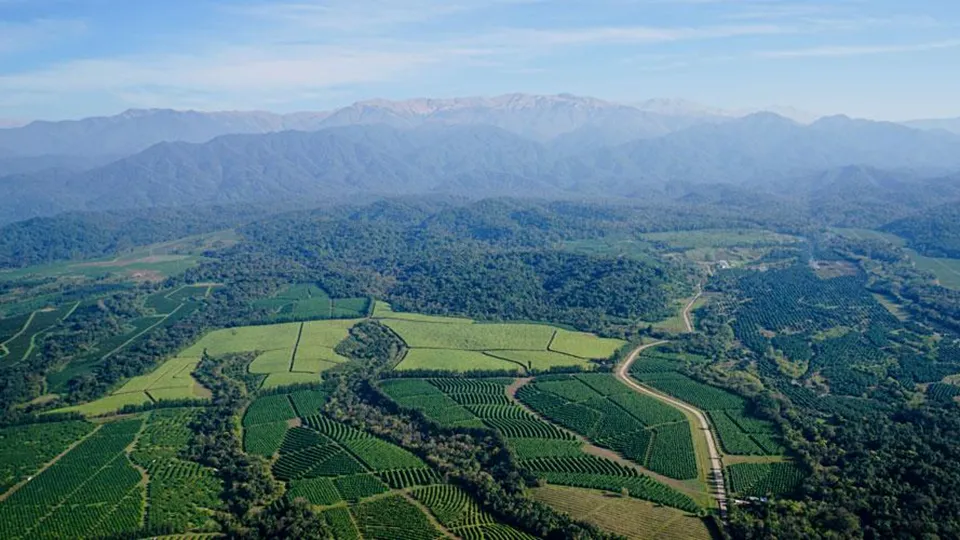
<point x="470" y="403"/>
<point x="24" y="449"/>
<point x="180" y="494"/>
<point x="80" y="493"/>
<point x="738" y="432"/>
<point x="638" y="427"/>
<point x="764" y="479"/>
<point x="610" y="408"/>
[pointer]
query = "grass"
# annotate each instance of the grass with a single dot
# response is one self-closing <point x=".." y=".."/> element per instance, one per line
<point x="616" y="246"/>
<point x="452" y="360"/>
<point x="383" y="310"/>
<point x="473" y="337"/>
<point x="947" y="271"/>
<point x="584" y="345"/>
<point x="541" y="360"/>
<point x="272" y="362"/>
<point x="323" y="336"/>
<point x="629" y="517"/>
<point x="172" y="380"/>
<point x="108" y="404"/>
<point x="459" y="345"/>
<point x="153" y="262"/>
<point x="289" y="353"/>
<point x="716" y="238"/>
<point x="246" y="339"/>
<point x="276" y="380"/>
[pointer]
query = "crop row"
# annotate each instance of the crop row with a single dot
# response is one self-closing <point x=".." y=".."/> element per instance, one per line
<point x="491" y="531"/>
<point x="672" y="453"/>
<point x="584" y="464"/>
<point x="312" y="461"/>
<point x="269" y="409"/>
<point x="24" y="449"/>
<point x="335" y="430"/>
<point x="452" y="506"/>
<point x="393" y="518"/>
<point x="760" y="479"/>
<point x="382" y="456"/>
<point x="404" y="478"/>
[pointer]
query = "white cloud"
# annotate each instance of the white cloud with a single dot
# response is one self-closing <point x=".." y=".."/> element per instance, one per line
<point x="858" y="50"/>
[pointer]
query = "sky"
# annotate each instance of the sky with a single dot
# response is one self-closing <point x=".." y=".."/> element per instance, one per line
<point x="881" y="59"/>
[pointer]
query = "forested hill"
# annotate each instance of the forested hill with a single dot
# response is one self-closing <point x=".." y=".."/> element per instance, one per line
<point x="935" y="233"/>
<point x="476" y="160"/>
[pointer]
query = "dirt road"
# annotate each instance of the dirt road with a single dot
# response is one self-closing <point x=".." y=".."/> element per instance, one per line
<point x="715" y="476"/>
<point x="686" y="310"/>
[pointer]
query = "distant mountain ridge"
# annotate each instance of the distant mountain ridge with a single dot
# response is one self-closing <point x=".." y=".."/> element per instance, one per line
<point x="763" y="150"/>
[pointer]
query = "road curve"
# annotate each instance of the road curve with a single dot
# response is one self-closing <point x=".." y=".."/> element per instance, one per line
<point x="715" y="478"/>
<point x="686" y="310"/>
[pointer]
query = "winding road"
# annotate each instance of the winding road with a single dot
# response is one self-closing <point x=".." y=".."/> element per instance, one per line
<point x="686" y="310"/>
<point x="715" y="476"/>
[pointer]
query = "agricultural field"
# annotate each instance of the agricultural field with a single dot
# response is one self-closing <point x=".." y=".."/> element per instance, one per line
<point x="324" y="461"/>
<point x="155" y="262"/>
<point x="717" y="238"/>
<point x="442" y="343"/>
<point x="738" y="432"/>
<point x="290" y="353"/>
<point x="456" y="511"/>
<point x="308" y="302"/>
<point x="92" y="489"/>
<point x="947" y="271"/>
<point x="25" y="449"/>
<point x="169" y="312"/>
<point x="17" y="344"/>
<point x="180" y="494"/>
<point x="640" y="428"/>
<point x="544" y="449"/>
<point x="383" y="310"/>
<point x="625" y="516"/>
<point x="764" y="479"/>
<point x="173" y="380"/>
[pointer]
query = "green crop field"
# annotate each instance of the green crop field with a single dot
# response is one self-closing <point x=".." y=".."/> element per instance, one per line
<point x="738" y="432"/>
<point x="947" y="271"/>
<point x="763" y="479"/>
<point x="473" y="337"/>
<point x="303" y="302"/>
<point x="246" y="339"/>
<point x="289" y="353"/>
<point x="383" y="310"/>
<point x="24" y="449"/>
<point x="90" y="490"/>
<point x="180" y="494"/>
<point x="171" y="381"/>
<point x="456" y="345"/>
<point x="453" y="360"/>
<point x="627" y="517"/>
<point x="713" y="238"/>
<point x="584" y="345"/>
<point x="641" y="429"/>
<point x="20" y="345"/>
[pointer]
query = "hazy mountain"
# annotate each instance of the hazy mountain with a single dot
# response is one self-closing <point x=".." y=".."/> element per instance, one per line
<point x="764" y="151"/>
<point x="136" y="130"/>
<point x="13" y="164"/>
<point x="540" y="118"/>
<point x="681" y="107"/>
<point x="766" y="146"/>
<point x="946" y="124"/>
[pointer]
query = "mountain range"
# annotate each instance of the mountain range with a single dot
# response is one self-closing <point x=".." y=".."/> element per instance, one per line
<point x="561" y="146"/>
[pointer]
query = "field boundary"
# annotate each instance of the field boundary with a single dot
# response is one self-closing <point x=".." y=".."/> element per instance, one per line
<point x="296" y="347"/>
<point x="22" y="328"/>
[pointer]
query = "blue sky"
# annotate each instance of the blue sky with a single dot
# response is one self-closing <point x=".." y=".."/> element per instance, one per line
<point x="886" y="59"/>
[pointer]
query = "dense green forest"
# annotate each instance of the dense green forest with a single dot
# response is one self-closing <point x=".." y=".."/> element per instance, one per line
<point x="839" y="340"/>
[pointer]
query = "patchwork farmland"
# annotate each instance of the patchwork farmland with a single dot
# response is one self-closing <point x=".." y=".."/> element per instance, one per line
<point x="453" y="344"/>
